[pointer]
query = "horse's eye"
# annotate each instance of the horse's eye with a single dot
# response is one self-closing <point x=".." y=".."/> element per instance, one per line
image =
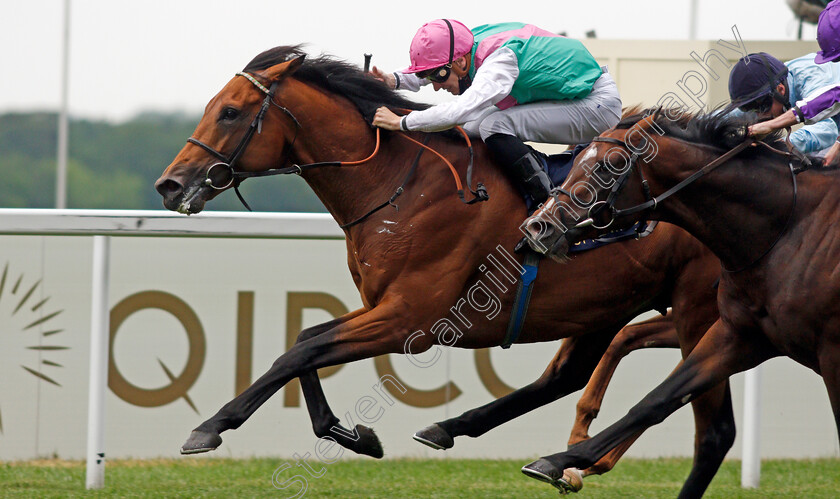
<point x="229" y="114"/>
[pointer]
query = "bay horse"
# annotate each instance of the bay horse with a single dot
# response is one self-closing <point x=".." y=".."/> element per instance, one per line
<point x="773" y="230"/>
<point x="414" y="266"/>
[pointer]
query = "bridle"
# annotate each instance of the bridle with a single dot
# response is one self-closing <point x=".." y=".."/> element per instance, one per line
<point x="237" y="176"/>
<point x="651" y="203"/>
<point x="228" y="162"/>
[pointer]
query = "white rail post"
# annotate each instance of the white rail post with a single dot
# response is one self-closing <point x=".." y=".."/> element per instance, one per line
<point x="751" y="457"/>
<point x="98" y="385"/>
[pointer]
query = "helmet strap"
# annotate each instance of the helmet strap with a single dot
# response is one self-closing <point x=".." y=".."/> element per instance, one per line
<point x="777" y="79"/>
<point x="464" y="81"/>
<point x="463" y="84"/>
<point x="782" y="98"/>
<point x="451" y="40"/>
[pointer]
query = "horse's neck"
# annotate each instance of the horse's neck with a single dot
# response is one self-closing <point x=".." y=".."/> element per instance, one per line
<point x="351" y="191"/>
<point x="737" y="210"/>
<point x="332" y="130"/>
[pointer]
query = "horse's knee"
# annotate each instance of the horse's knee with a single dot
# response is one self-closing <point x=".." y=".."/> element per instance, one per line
<point x="717" y="439"/>
<point x="307" y="333"/>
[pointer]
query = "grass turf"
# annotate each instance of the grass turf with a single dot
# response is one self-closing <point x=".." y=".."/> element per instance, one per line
<point x="401" y="478"/>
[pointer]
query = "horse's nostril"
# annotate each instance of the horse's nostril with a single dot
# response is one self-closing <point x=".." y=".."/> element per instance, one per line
<point x="539" y="229"/>
<point x="168" y="188"/>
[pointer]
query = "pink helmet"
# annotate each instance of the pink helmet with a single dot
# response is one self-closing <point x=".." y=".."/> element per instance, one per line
<point x="828" y="33"/>
<point x="437" y="43"/>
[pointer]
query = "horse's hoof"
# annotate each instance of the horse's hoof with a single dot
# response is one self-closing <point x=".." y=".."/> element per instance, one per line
<point x="368" y="443"/>
<point x="435" y="437"/>
<point x="201" y="441"/>
<point x="545" y="471"/>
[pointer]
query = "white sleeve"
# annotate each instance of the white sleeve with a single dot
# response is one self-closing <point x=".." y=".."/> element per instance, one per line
<point x="493" y="82"/>
<point x="409" y="81"/>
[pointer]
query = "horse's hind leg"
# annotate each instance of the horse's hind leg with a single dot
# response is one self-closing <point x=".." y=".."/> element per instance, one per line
<point x="658" y="332"/>
<point x="720" y="353"/>
<point x="568" y="371"/>
<point x="324" y="422"/>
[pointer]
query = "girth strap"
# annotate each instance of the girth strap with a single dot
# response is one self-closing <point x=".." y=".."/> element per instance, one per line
<point x="523" y="297"/>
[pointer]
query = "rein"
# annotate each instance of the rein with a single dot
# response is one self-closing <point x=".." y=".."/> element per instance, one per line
<point x="480" y="192"/>
<point x="236" y="176"/>
<point x="653" y="202"/>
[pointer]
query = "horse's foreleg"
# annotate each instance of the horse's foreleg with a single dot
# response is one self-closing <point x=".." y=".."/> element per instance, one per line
<point x="720" y="353"/>
<point x="830" y="372"/>
<point x="568" y="371"/>
<point x="714" y="424"/>
<point x="714" y="420"/>
<point x="324" y="422"/>
<point x="372" y="333"/>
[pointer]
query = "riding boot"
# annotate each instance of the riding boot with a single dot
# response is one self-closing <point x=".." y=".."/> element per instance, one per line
<point x="528" y="170"/>
<point x="524" y="165"/>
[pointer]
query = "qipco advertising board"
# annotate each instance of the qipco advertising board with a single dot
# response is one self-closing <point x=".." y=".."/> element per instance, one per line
<point x="193" y="321"/>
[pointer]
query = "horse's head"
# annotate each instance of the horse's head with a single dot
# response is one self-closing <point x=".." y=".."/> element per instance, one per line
<point x="238" y="132"/>
<point x="607" y="189"/>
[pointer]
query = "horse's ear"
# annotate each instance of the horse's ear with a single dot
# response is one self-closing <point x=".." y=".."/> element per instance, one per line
<point x="297" y="62"/>
<point x="284" y="69"/>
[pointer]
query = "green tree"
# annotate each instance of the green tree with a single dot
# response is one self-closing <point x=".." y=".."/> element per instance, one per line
<point x="115" y="166"/>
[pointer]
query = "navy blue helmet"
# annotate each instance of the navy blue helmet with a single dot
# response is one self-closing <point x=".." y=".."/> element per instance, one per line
<point x="753" y="81"/>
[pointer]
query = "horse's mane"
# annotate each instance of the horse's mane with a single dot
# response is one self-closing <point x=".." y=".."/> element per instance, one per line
<point x="716" y="128"/>
<point x="337" y="76"/>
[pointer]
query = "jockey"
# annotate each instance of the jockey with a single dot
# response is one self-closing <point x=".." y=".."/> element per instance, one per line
<point x="515" y="82"/>
<point x="761" y="83"/>
<point x="825" y="102"/>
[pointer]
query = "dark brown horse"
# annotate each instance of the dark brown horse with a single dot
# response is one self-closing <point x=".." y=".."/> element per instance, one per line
<point x="774" y="232"/>
<point x="426" y="269"/>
